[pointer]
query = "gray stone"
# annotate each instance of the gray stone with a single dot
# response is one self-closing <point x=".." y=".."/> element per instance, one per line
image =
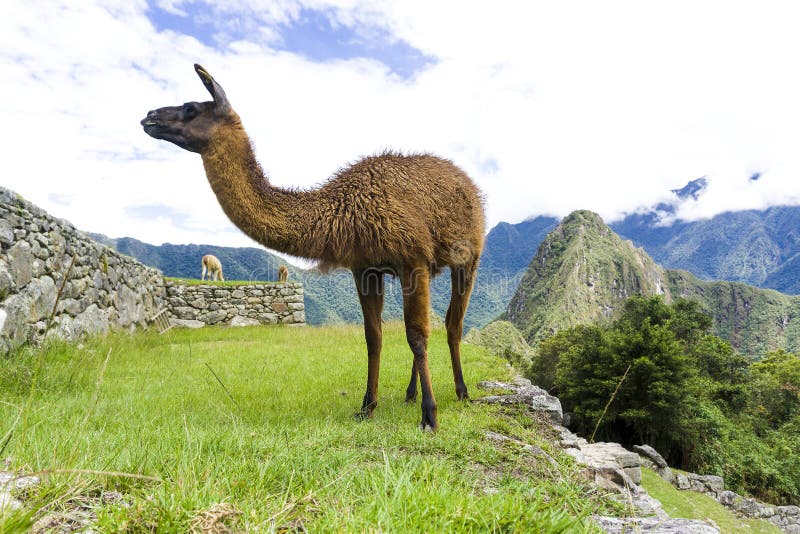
<point x="213" y="317"/>
<point x="71" y="306"/>
<point x="129" y="306"/>
<point x="244" y="321"/>
<point x="6" y="232"/>
<point x="42" y="292"/>
<point x="654" y="525"/>
<point x="726" y="498"/>
<point x="91" y="321"/>
<point x="185" y="312"/>
<point x="652" y="454"/>
<point x="19" y="259"/>
<point x="268" y="318"/>
<point x="299" y="317"/>
<point x="537" y="399"/>
<point x="186" y="323"/>
<point x="681" y="482"/>
<point x="6" y="281"/>
<point x="604" y="454"/>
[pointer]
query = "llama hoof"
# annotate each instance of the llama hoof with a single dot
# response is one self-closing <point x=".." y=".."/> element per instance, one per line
<point x="429" y="423"/>
<point x="462" y="395"/>
<point x="411" y="397"/>
<point x="362" y="415"/>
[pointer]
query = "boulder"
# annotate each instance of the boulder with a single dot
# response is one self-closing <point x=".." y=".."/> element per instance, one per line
<point x="20" y="259"/>
<point x="660" y="465"/>
<point x="522" y="392"/>
<point x="186" y="323"/>
<point x="613" y="454"/>
<point x="654" y="525"/>
<point x="244" y="321"/>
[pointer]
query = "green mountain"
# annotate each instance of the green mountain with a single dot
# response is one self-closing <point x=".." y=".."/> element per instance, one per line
<point x="583" y="271"/>
<point x="758" y="247"/>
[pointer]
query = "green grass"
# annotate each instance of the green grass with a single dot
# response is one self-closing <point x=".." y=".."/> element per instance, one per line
<point x="196" y="282"/>
<point x="693" y="505"/>
<point x="277" y="443"/>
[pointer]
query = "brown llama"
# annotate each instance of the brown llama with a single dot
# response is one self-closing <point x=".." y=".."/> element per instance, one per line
<point x="213" y="267"/>
<point x="404" y="215"/>
<point x="283" y="274"/>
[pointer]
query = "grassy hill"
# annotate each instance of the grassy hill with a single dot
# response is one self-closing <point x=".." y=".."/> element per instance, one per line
<point x="583" y="272"/>
<point x="252" y="429"/>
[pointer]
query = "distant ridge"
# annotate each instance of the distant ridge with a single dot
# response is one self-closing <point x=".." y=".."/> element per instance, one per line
<point x="583" y="272"/>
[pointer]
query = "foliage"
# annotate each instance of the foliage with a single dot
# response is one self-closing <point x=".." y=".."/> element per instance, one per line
<point x="650" y="400"/>
<point x="686" y="392"/>
<point x="270" y="434"/>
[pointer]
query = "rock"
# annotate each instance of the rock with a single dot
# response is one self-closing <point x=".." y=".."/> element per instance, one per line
<point x="681" y="482"/>
<point x="244" y="321"/>
<point x="20" y="258"/>
<point x="7" y="502"/>
<point x="654" y="525"/>
<point x="213" y="317"/>
<point x="705" y="483"/>
<point x="604" y="454"/>
<point x="6" y="232"/>
<point x="186" y="323"/>
<point x="6" y="280"/>
<point x="526" y="394"/>
<point x="658" y="464"/>
<point x="726" y="498"/>
<point x="91" y="321"/>
<point x="650" y="452"/>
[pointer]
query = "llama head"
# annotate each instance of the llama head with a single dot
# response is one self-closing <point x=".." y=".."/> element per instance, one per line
<point x="192" y="125"/>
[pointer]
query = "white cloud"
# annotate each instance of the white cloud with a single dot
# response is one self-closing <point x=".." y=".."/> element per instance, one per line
<point x="549" y="106"/>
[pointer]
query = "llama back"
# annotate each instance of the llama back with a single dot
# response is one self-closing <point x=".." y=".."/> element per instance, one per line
<point x="393" y="205"/>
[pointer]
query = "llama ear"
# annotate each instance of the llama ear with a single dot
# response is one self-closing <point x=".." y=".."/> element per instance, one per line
<point x="217" y="93"/>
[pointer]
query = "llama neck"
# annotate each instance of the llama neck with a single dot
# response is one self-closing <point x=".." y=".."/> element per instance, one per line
<point x="277" y="218"/>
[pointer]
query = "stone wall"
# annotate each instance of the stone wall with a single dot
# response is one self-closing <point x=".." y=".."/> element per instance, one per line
<point x="246" y="304"/>
<point x="101" y="290"/>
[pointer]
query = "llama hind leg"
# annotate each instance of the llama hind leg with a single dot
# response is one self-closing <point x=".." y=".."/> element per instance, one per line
<point x="203" y="275"/>
<point x="416" y="313"/>
<point x="369" y="284"/>
<point x="462" y="279"/>
<point x="411" y="390"/>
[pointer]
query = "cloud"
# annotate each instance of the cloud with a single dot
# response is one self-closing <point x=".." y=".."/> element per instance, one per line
<point x="549" y="106"/>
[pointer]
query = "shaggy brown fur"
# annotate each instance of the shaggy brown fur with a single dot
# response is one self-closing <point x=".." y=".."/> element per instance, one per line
<point x="213" y="267"/>
<point x="405" y="215"/>
<point x="283" y="274"/>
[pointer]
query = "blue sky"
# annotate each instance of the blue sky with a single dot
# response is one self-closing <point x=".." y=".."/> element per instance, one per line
<point x="313" y="34"/>
<point x="549" y="106"/>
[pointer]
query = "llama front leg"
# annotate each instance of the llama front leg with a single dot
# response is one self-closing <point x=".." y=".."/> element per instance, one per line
<point x="369" y="284"/>
<point x="203" y="275"/>
<point x="416" y="314"/>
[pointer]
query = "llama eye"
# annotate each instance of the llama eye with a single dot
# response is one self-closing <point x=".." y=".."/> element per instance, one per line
<point x="189" y="110"/>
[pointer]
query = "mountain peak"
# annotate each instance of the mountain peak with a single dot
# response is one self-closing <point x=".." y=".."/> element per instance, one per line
<point x="582" y="272"/>
<point x="692" y="190"/>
